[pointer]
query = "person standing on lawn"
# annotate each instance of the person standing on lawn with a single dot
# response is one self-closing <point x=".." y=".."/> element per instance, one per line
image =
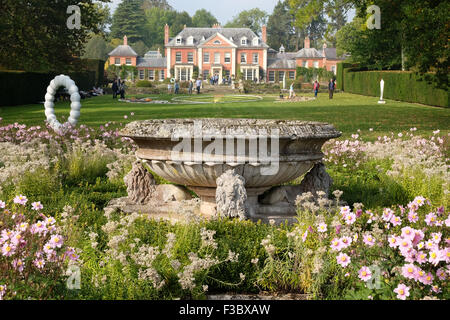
<point x="316" y="88"/>
<point x="199" y="85"/>
<point x="115" y="88"/>
<point x="331" y="87"/>
<point x="191" y="86"/>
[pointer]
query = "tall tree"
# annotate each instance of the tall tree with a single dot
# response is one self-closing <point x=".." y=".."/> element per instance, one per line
<point x="280" y="29"/>
<point x="181" y="19"/>
<point x="253" y="19"/>
<point x="129" y="20"/>
<point x="162" y="4"/>
<point x="336" y="10"/>
<point x="97" y="48"/>
<point x="203" y="19"/>
<point x="35" y="35"/>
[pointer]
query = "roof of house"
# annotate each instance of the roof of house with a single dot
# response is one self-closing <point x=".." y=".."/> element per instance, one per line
<point x="309" y="53"/>
<point x="151" y="62"/>
<point x="123" y="51"/>
<point x="282" y="61"/>
<point x="201" y="35"/>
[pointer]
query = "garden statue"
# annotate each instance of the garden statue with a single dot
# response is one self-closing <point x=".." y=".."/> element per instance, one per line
<point x="75" y="106"/>
<point x="381" y="101"/>
<point x="231" y="195"/>
<point x="140" y="184"/>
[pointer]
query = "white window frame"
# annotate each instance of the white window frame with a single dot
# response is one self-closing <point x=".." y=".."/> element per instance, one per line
<point x="281" y="75"/>
<point x="217" y="42"/>
<point x="206" y="57"/>
<point x="243" y="55"/>
<point x="227" y="58"/>
<point x="115" y="61"/>
<point x="255" y="61"/>
<point x="190" y="55"/>
<point x="244" y="41"/>
<point x="305" y="64"/>
<point x="271" y="76"/>
<point x="179" y="40"/>
<point x="162" y="75"/>
<point x="316" y="64"/>
<point x="293" y="75"/>
<point x="141" y="74"/>
<point x="128" y="61"/>
<point x="178" y="54"/>
<point x="151" y="75"/>
<point x="216" y="54"/>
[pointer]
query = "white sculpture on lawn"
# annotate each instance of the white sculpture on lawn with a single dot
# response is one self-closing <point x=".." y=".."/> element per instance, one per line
<point x="75" y="106"/>
<point x="381" y="101"/>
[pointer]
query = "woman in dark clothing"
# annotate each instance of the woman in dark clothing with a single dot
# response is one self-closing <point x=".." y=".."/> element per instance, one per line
<point x="331" y="88"/>
<point x="115" y="88"/>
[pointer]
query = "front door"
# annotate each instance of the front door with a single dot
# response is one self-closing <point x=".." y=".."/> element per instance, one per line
<point x="218" y="71"/>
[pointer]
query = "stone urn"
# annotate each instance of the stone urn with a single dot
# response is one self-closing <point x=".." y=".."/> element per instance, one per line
<point x="195" y="152"/>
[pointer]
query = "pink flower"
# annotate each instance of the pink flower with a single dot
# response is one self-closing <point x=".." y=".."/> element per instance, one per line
<point x="18" y="264"/>
<point x="442" y="275"/>
<point x="350" y="218"/>
<point x="343" y="259"/>
<point x="22" y="200"/>
<point x="346" y="242"/>
<point x="345" y="210"/>
<point x="39" y="227"/>
<point x="409" y="271"/>
<point x="393" y="243"/>
<point x="8" y="249"/>
<point x="421" y="257"/>
<point x="125" y="117"/>
<point x="436" y="237"/>
<point x="413" y="217"/>
<point x="304" y="236"/>
<point x="402" y="291"/>
<point x="396" y="220"/>
<point x="322" y="227"/>
<point x="39" y="263"/>
<point x="428" y="279"/>
<point x="368" y="240"/>
<point x="435" y="256"/>
<point x="405" y="244"/>
<point x="56" y="241"/>
<point x="408" y="233"/>
<point x="2" y="204"/>
<point x="419" y="201"/>
<point x="364" y="274"/>
<point x="36" y="206"/>
<point x="430" y="219"/>
<point x="336" y="244"/>
<point x="387" y="214"/>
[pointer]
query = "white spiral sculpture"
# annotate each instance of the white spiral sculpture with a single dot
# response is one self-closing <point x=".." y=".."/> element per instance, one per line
<point x="75" y="106"/>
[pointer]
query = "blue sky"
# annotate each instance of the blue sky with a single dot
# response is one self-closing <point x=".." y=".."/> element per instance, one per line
<point x="223" y="10"/>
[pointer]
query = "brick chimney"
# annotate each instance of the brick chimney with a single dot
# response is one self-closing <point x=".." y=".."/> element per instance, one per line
<point x="125" y="41"/>
<point x="307" y="43"/>
<point x="264" y="33"/>
<point x="216" y="26"/>
<point x="166" y="33"/>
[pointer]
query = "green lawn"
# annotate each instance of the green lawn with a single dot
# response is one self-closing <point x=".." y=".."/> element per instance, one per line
<point x="347" y="112"/>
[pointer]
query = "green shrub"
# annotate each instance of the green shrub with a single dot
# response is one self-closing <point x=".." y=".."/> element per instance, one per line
<point x="143" y="84"/>
<point x="398" y="85"/>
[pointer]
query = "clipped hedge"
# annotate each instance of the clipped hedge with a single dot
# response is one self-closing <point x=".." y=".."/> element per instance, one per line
<point x="340" y="74"/>
<point x="30" y="87"/>
<point x="398" y="85"/>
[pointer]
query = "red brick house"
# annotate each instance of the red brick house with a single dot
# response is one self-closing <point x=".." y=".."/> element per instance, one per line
<point x="225" y="52"/>
<point x="216" y="50"/>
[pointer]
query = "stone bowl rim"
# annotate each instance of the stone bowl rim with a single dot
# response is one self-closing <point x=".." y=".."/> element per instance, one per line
<point x="328" y="130"/>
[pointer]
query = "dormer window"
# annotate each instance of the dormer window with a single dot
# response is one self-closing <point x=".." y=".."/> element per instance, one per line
<point x="190" y="40"/>
<point x="255" y="41"/>
<point x="179" y="40"/>
<point x="244" y="41"/>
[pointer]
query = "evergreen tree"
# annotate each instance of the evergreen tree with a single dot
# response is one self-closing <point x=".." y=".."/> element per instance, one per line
<point x="129" y="20"/>
<point x="203" y="19"/>
<point x="280" y="29"/>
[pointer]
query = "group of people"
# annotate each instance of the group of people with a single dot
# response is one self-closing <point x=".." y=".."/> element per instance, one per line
<point x="331" y="88"/>
<point x="118" y="87"/>
<point x="191" y="84"/>
<point x="214" y="80"/>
